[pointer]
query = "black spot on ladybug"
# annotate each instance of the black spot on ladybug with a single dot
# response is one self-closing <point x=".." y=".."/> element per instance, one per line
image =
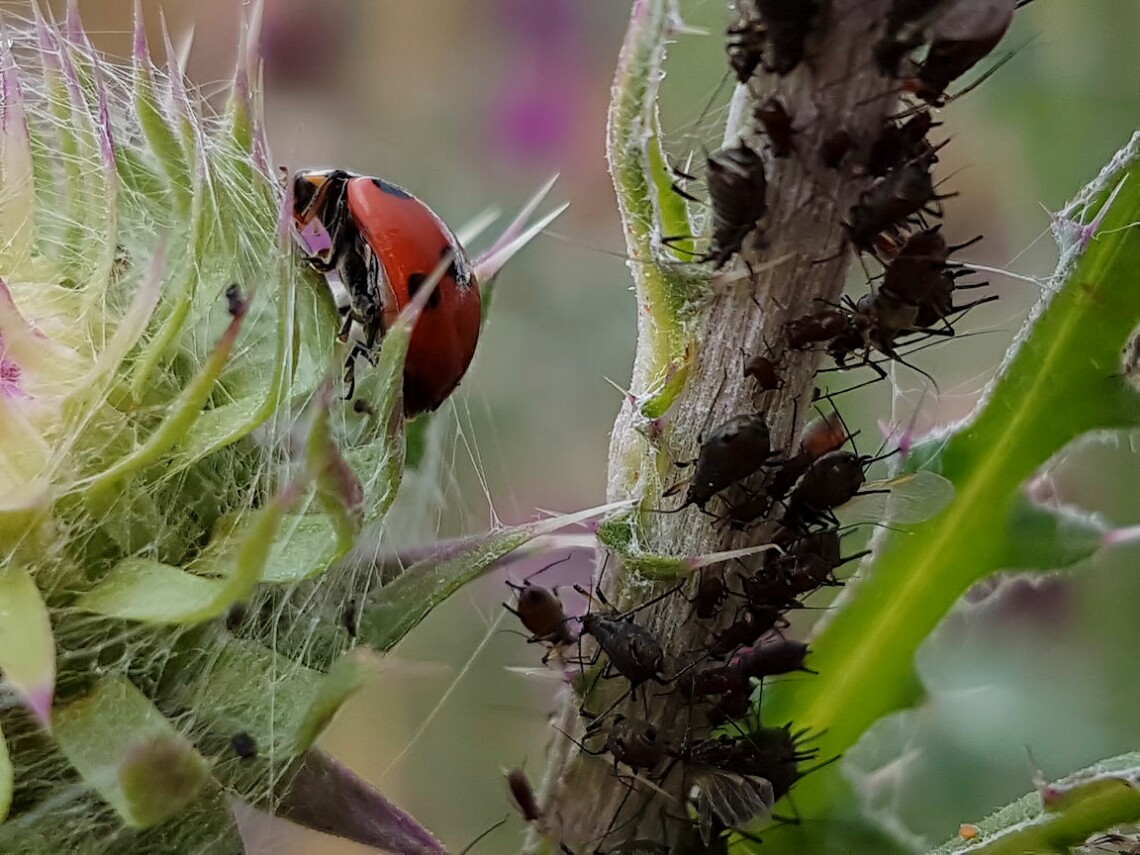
<point x="414" y="283"/>
<point x="392" y="189"/>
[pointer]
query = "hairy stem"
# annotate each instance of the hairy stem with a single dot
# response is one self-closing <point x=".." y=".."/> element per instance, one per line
<point x="835" y="87"/>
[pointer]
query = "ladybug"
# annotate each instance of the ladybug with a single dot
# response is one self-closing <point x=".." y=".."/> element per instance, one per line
<point x="383" y="244"/>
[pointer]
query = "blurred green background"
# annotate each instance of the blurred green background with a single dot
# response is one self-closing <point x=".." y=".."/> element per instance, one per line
<point x="474" y="104"/>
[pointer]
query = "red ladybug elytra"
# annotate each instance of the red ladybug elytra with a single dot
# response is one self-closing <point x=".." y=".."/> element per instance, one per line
<point x="384" y="243"/>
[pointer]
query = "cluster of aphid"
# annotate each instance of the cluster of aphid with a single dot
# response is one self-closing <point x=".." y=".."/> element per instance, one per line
<point x="735" y="768"/>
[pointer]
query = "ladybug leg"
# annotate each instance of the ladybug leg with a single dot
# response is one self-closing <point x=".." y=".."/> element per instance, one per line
<point x="320" y="265"/>
<point x="350" y="375"/>
<point x="346" y="324"/>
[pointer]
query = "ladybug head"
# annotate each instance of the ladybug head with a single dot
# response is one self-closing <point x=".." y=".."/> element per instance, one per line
<point x="318" y="196"/>
<point x="312" y="191"/>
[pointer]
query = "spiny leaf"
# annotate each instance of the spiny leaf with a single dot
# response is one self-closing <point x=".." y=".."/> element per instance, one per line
<point x="27" y="647"/>
<point x="1060" y="815"/>
<point x="391" y="611"/>
<point x="152" y="592"/>
<point x="128" y="752"/>
<point x="284" y="716"/>
<point x="1058" y="382"/>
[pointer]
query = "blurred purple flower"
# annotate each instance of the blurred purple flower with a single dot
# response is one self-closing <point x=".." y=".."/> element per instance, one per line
<point x="302" y="43"/>
<point x="535" y="114"/>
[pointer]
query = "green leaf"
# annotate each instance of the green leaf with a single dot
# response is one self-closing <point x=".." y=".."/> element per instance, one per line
<point x="27" y="646"/>
<point x="146" y="590"/>
<point x="282" y="705"/>
<point x="343" y="680"/>
<point x="1059" y="382"/>
<point x="163" y="141"/>
<point x="180" y="417"/>
<point x="129" y="753"/>
<point x="645" y="200"/>
<point x="339" y="490"/>
<point x="390" y="612"/>
<point x="1060" y="815"/>
<point x="306" y="547"/>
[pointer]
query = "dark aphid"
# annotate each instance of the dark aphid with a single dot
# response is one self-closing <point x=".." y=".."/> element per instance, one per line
<point x="734" y="799"/>
<point x="788" y="23"/>
<point x="921" y="252"/>
<point x="235" y="302"/>
<point x="835" y="148"/>
<point x="735" y="450"/>
<point x="918" y="274"/>
<point x="236" y="615"/>
<point x="522" y="795"/>
<point x="244" y="745"/>
<point x="348" y="618"/>
<point x="729" y="706"/>
<point x="541" y="612"/>
<point x="711" y="592"/>
<point x="363" y="407"/>
<point x="738" y="192"/>
<point x="634" y="742"/>
<point x="713" y="680"/>
<point x="771" y="753"/>
<point x="816" y="557"/>
<point x="748" y="508"/>
<point x="633" y="651"/>
<point x="899" y="143"/>
<point x="744" y="42"/>
<point x="808" y="565"/>
<point x="930" y="300"/>
<point x="876" y="321"/>
<point x="757" y="620"/>
<point x="771" y="657"/>
<point x="763" y="370"/>
<point x="965" y="35"/>
<point x="823" y="324"/>
<point x="775" y="753"/>
<point x="822" y="435"/>
<point x="893" y="201"/>
<point x="908" y="22"/>
<point x="829" y="483"/>
<point x="777" y="124"/>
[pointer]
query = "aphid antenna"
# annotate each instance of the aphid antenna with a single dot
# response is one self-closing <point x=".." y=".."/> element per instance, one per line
<point x="581" y="744"/>
<point x="946" y="100"/>
<point x="483" y="834"/>
<point x="895" y="356"/>
<point x="880" y="454"/>
<point x="957" y="247"/>
<point x="602" y="597"/>
<point x="516" y="586"/>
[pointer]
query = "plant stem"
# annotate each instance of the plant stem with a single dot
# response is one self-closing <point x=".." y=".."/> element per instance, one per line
<point x="836" y="87"/>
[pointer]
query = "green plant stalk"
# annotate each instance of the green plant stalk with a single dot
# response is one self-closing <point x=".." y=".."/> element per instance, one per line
<point x="1060" y="381"/>
<point x="634" y="154"/>
<point x="1060" y="815"/>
